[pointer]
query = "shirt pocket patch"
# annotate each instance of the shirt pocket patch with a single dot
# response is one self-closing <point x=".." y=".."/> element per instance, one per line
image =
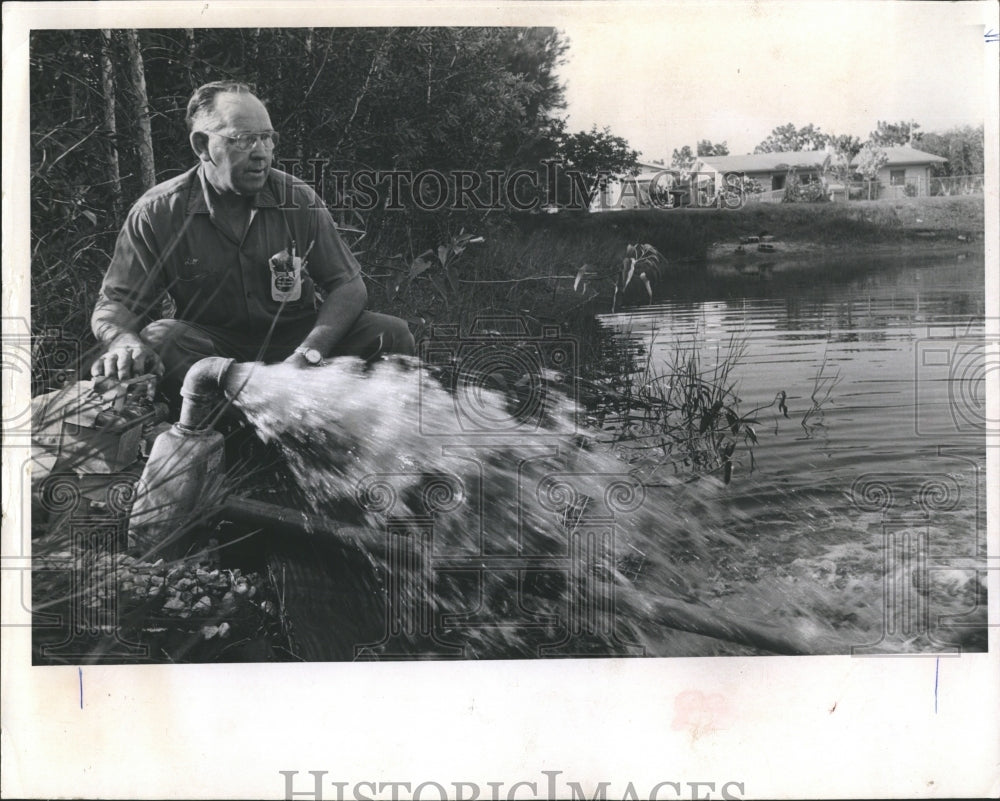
<point x="191" y="269"/>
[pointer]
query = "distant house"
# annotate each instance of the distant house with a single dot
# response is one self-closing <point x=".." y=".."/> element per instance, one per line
<point x="633" y="191"/>
<point x="907" y="172"/>
<point x="906" y="167"/>
<point x="770" y="170"/>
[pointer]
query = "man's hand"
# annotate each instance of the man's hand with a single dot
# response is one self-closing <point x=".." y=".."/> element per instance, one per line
<point x="127" y="356"/>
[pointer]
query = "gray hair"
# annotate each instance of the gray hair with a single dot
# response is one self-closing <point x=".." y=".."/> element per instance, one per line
<point x="202" y="102"/>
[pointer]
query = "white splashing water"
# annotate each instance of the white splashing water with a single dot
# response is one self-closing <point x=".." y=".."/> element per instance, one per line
<point x="392" y="437"/>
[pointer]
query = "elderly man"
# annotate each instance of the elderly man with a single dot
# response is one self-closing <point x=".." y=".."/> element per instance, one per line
<point x="249" y="255"/>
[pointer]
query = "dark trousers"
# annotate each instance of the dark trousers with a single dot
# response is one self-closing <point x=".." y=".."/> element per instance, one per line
<point x="180" y="344"/>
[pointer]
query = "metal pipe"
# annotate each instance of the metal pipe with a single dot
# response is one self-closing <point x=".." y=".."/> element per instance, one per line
<point x="240" y="509"/>
<point x="207" y="384"/>
<point x="202" y="391"/>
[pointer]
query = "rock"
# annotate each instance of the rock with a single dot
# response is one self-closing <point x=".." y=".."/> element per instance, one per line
<point x="224" y="630"/>
<point x="174" y="605"/>
<point x="204" y="604"/>
<point x="208" y="632"/>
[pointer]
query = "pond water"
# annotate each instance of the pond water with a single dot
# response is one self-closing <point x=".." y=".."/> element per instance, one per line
<point x="866" y="503"/>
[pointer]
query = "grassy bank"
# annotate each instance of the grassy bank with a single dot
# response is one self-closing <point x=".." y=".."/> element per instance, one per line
<point x="687" y="232"/>
<point x="527" y="265"/>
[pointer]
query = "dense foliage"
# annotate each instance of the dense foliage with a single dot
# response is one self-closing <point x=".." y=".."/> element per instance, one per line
<point x="595" y="153"/>
<point x="707" y="148"/>
<point x="962" y="146"/>
<point x="889" y="134"/>
<point x="788" y="137"/>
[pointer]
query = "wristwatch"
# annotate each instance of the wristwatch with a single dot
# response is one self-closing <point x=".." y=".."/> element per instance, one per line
<point x="312" y="355"/>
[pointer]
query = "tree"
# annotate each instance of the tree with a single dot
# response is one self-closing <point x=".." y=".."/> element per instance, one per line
<point x="870" y="159"/>
<point x="962" y="146"/>
<point x="110" y="122"/>
<point x="789" y="138"/>
<point x="597" y="153"/>
<point x="682" y="159"/>
<point x="889" y="134"/>
<point x="706" y="148"/>
<point x="844" y="143"/>
<point x="843" y="150"/>
<point x="137" y="71"/>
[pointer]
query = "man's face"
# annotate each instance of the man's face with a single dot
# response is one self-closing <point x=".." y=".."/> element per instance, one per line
<point x="228" y="168"/>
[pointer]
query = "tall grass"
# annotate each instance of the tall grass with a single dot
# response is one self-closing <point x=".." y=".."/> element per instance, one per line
<point x="682" y="415"/>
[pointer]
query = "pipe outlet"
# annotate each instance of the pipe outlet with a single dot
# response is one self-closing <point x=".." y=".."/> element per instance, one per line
<point x="202" y="391"/>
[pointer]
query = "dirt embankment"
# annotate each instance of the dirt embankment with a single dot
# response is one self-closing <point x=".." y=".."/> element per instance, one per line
<point x="694" y="234"/>
<point x="909" y="225"/>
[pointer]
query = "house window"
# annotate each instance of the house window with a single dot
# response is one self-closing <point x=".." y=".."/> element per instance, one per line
<point x="777" y="182"/>
<point x="897" y="177"/>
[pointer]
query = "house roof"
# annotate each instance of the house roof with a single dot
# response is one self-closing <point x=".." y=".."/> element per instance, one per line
<point x="782" y="160"/>
<point x="766" y="162"/>
<point x="904" y="154"/>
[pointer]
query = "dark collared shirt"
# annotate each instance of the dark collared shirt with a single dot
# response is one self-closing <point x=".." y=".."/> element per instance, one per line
<point x="172" y="243"/>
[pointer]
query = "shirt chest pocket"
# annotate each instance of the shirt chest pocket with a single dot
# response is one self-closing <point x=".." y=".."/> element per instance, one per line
<point x="192" y="268"/>
<point x="196" y="257"/>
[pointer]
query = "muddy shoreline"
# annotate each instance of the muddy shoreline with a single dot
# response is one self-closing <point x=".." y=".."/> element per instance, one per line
<point x="722" y="258"/>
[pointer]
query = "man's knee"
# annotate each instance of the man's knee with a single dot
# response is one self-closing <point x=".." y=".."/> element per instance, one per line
<point x="375" y="335"/>
<point x="179" y="345"/>
<point x="161" y="334"/>
<point x="398" y="338"/>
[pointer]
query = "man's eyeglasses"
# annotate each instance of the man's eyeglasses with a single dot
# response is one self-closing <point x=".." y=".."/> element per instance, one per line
<point x="248" y="141"/>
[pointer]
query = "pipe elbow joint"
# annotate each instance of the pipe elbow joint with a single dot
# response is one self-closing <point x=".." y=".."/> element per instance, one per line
<point x="202" y="391"/>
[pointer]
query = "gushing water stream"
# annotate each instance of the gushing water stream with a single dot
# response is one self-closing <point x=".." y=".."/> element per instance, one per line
<point x="524" y="539"/>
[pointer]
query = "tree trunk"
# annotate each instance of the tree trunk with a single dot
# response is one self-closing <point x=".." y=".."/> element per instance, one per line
<point x="147" y="166"/>
<point x="191" y="47"/>
<point x="111" y="123"/>
<point x="74" y="86"/>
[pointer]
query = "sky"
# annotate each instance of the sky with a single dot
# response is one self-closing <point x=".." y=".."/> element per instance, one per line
<point x="668" y="75"/>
